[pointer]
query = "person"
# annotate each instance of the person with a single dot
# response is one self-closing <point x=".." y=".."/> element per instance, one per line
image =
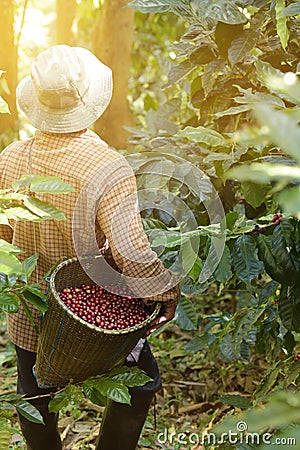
<point x="67" y="90"/>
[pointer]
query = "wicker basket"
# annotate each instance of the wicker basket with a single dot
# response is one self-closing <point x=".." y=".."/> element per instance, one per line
<point x="71" y="349"/>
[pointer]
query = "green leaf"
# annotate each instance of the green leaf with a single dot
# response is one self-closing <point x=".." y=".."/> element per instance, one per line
<point x="245" y="331"/>
<point x="281" y="409"/>
<point x="275" y="80"/>
<point x="198" y="183"/>
<point x="151" y="224"/>
<point x="202" y="55"/>
<point x="10" y="397"/>
<point x="4" y="109"/>
<point x="232" y="110"/>
<point x="227" y="348"/>
<point x="281" y="22"/>
<point x="186" y="317"/>
<point x="112" y="389"/>
<point x="9" y="303"/>
<point x="12" y="196"/>
<point x="130" y="376"/>
<point x="286" y="135"/>
<point x="180" y="71"/>
<point x="151" y="6"/>
<point x="43" y="209"/>
<point x="225" y="11"/>
<point x="28" y="312"/>
<point x="229" y="220"/>
<point x="200" y="342"/>
<point x="51" y="184"/>
<point x="291" y="435"/>
<point x="65" y="398"/>
<point x="266" y="254"/>
<point x="23" y="182"/>
<point x="289" y="200"/>
<point x="236" y="400"/>
<point x="210" y="74"/>
<point x="242" y="45"/>
<point x="9" y="263"/>
<point x="195" y="271"/>
<point x="8" y="248"/>
<point x="3" y="219"/>
<point x="292" y="10"/>
<point x="289" y="307"/>
<point x="223" y="271"/>
<point x="165" y="239"/>
<point x="38" y="183"/>
<point x="287" y="86"/>
<point x="3" y="280"/>
<point x="5" y="436"/>
<point x="36" y="299"/>
<point x="204" y="135"/>
<point x="244" y="258"/>
<point x="20" y="212"/>
<point x="93" y="394"/>
<point x="155" y="174"/>
<point x="188" y="253"/>
<point x="263" y="173"/>
<point x="59" y="401"/>
<point x="254" y="194"/>
<point x="285" y="231"/>
<point x="29" y="411"/>
<point x="29" y="264"/>
<point x="279" y="255"/>
<point x="250" y="98"/>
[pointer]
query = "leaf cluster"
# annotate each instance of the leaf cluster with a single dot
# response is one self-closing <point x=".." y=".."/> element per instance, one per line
<point x="230" y="107"/>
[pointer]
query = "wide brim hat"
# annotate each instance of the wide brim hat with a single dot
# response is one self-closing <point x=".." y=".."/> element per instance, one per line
<point x="67" y="90"/>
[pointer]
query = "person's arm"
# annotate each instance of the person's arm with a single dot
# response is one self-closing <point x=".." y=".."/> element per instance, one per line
<point x="120" y="221"/>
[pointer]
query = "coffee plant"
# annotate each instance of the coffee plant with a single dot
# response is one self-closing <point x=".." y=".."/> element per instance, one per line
<point x="19" y="203"/>
<point x="231" y="109"/>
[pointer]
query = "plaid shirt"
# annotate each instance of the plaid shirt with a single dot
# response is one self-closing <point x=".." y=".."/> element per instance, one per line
<point x="76" y="158"/>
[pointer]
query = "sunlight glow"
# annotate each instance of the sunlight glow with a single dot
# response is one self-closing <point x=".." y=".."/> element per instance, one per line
<point x="35" y="29"/>
<point x="290" y="78"/>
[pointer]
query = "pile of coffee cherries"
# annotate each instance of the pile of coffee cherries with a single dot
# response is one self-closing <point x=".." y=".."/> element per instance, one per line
<point x="104" y="309"/>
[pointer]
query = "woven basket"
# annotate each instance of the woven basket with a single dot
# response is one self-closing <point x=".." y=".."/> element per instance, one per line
<point x="70" y="349"/>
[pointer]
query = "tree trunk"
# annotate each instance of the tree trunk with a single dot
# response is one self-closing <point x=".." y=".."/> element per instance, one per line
<point x="113" y="35"/>
<point x="8" y="62"/>
<point x="66" y="14"/>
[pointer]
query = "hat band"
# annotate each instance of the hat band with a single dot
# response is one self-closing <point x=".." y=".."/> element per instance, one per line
<point x="59" y="99"/>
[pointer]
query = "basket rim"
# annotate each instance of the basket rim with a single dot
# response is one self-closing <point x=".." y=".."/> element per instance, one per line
<point x="94" y="328"/>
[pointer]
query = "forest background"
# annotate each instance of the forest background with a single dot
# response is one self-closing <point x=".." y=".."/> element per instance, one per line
<point x="206" y="108"/>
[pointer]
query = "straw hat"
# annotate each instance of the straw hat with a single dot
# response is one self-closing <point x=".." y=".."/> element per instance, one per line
<point x="67" y="90"/>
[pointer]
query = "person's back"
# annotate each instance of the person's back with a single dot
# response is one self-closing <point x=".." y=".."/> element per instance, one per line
<point x="69" y="88"/>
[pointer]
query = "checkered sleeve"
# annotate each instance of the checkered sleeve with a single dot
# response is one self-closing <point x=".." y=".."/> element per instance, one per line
<point x="6" y="233"/>
<point x="120" y="220"/>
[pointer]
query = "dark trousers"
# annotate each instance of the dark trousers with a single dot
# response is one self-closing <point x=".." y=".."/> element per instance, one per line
<point x="121" y="424"/>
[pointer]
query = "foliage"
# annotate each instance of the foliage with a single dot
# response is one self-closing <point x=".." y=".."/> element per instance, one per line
<point x="280" y="412"/>
<point x="113" y="385"/>
<point x="98" y="390"/>
<point x="3" y="88"/>
<point x="218" y="112"/>
<point x="232" y="110"/>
